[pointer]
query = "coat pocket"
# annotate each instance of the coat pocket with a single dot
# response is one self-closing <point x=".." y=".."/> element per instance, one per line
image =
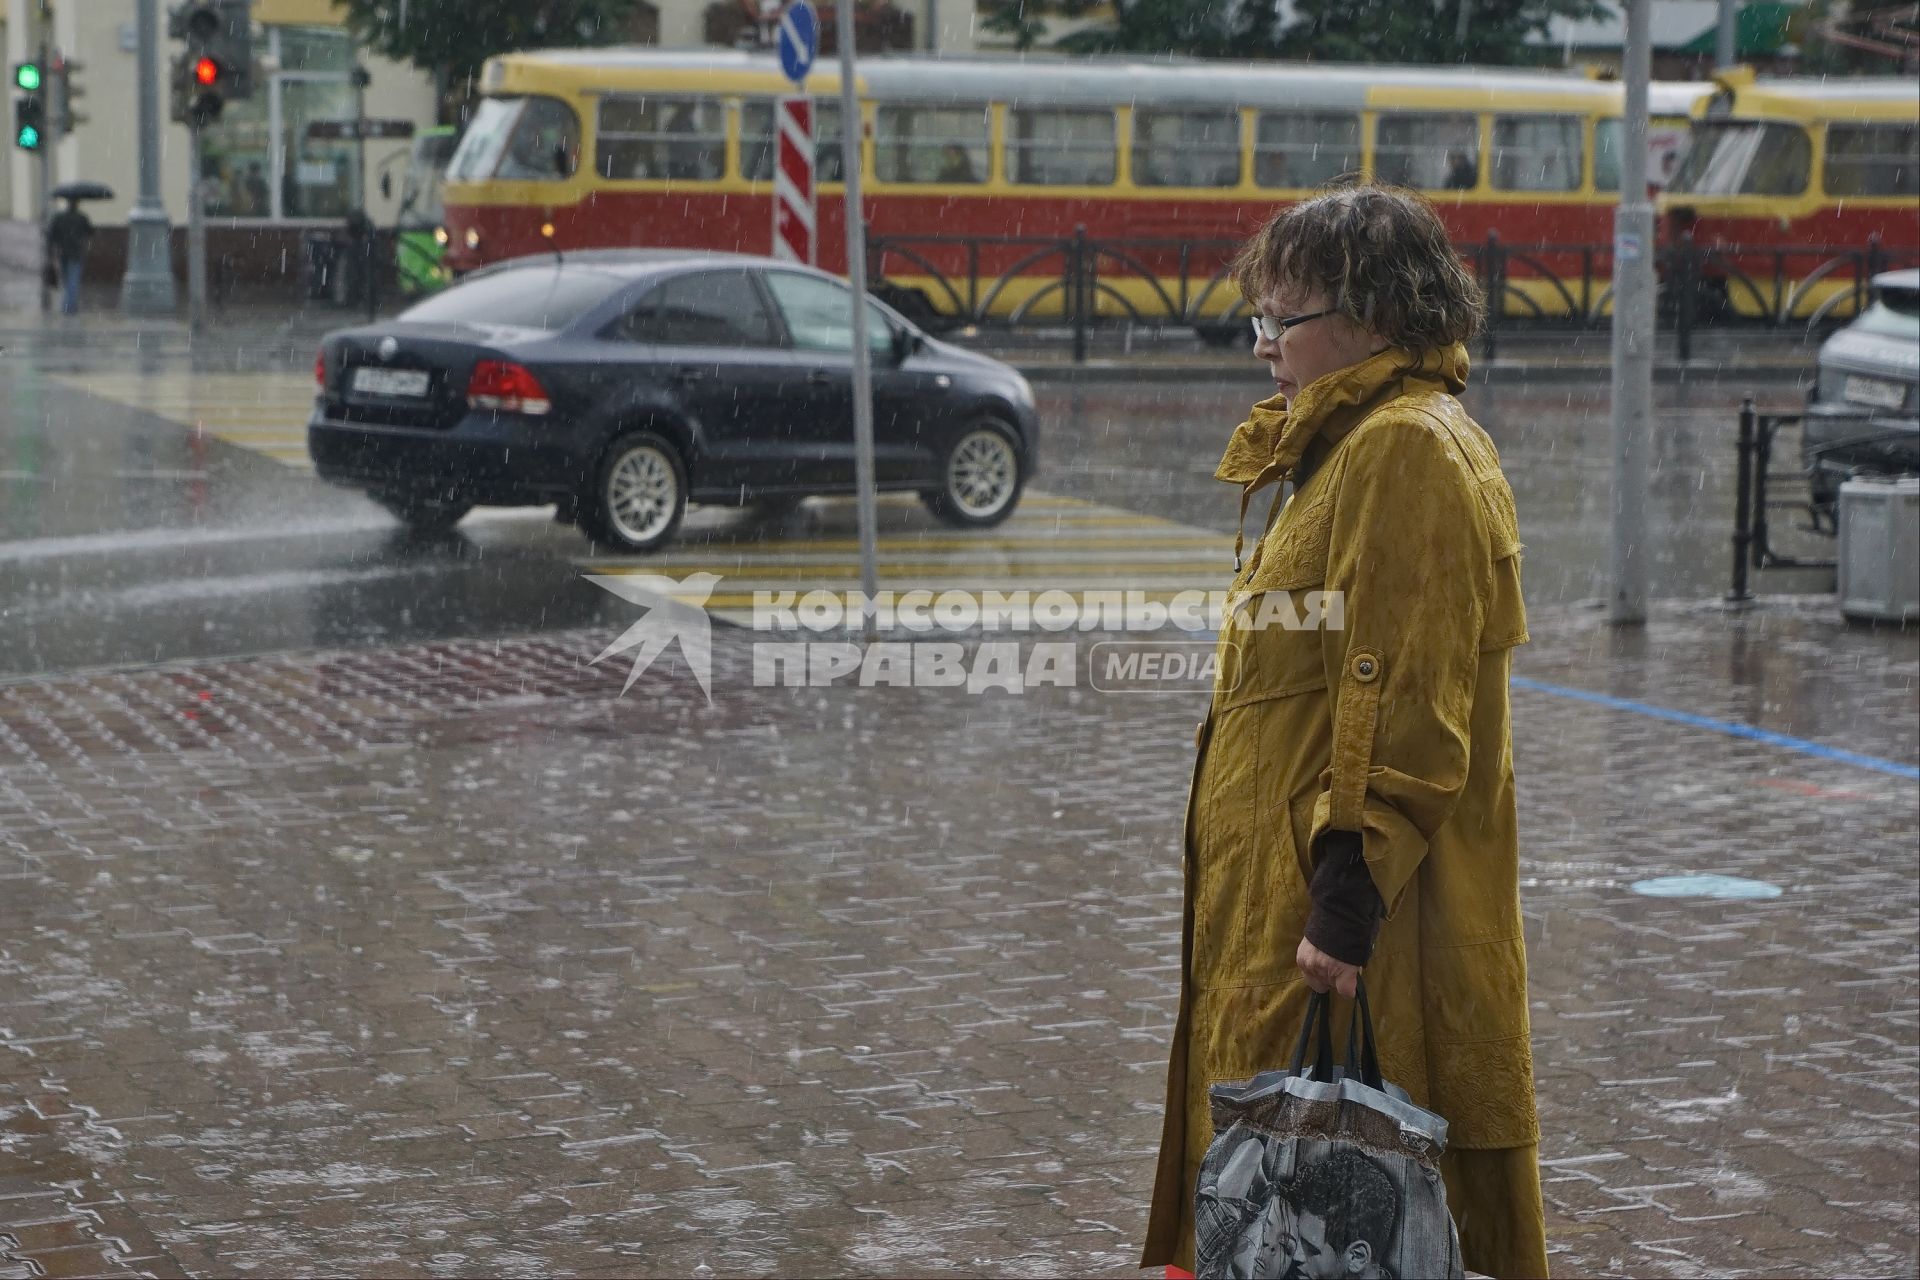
<point x="1250" y="894"/>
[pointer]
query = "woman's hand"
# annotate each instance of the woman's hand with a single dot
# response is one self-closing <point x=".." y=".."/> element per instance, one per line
<point x="1324" y="973"/>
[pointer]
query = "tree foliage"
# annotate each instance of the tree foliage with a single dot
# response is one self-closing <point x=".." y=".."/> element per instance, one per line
<point x="1495" y="32"/>
<point x="453" y="37"/>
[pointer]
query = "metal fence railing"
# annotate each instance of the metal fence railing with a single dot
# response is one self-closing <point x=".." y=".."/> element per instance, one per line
<point x="1083" y="283"/>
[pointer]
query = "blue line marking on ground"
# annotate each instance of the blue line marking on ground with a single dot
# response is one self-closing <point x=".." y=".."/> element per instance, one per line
<point x="1728" y="727"/>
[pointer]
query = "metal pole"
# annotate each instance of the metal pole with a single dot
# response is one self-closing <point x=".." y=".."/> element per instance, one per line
<point x="1725" y="54"/>
<point x="1689" y="285"/>
<point x="147" y="287"/>
<point x="44" y="164"/>
<point x="1077" y="295"/>
<point x="360" y="81"/>
<point x="196" y="237"/>
<point x="852" y="132"/>
<point x="1633" y="335"/>
<point x="1743" y="506"/>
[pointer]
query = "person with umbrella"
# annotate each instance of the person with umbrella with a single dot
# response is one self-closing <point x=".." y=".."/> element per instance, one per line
<point x="69" y="233"/>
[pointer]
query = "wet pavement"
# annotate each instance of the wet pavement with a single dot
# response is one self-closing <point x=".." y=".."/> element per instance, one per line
<point x="157" y="504"/>
<point x="350" y="923"/>
<point x="443" y="960"/>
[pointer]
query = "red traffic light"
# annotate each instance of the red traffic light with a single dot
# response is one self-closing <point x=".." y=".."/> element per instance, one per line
<point x="206" y="71"/>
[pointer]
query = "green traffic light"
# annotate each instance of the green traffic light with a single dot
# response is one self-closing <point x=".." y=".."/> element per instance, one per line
<point x="27" y="76"/>
<point x="29" y="138"/>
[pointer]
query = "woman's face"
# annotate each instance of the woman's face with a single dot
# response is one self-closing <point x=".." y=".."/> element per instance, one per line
<point x="1314" y="349"/>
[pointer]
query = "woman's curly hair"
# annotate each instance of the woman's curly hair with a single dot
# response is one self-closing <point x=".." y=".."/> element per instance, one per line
<point x="1380" y="253"/>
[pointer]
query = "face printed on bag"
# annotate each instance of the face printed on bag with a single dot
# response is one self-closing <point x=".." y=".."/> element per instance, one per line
<point x="1270" y="1237"/>
<point x="1314" y="1259"/>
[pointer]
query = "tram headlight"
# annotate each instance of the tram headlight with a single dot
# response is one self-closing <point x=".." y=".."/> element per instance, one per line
<point x="473" y="237"/>
<point x="440" y="236"/>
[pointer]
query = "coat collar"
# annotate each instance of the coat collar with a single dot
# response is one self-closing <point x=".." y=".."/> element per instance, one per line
<point x="1271" y="442"/>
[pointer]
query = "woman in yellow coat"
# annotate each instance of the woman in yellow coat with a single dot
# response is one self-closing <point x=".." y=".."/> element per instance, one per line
<point x="1353" y="800"/>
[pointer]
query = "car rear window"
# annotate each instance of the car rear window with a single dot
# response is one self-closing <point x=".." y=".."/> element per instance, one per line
<point x="526" y="297"/>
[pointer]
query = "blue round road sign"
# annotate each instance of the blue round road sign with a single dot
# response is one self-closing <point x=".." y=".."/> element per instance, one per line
<point x="799" y="40"/>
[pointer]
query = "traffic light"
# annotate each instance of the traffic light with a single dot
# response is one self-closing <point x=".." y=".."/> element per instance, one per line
<point x="29" y="106"/>
<point x="217" y="64"/>
<point x="64" y="83"/>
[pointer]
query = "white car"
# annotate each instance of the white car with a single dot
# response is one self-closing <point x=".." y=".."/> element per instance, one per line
<point x="1863" y="414"/>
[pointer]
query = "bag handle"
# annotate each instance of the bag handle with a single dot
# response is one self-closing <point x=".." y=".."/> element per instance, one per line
<point x="1360" y="1045"/>
<point x="1363" y="1057"/>
<point x="1318" y="1015"/>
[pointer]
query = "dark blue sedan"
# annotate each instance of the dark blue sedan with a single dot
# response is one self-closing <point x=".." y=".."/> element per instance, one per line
<point x="621" y="385"/>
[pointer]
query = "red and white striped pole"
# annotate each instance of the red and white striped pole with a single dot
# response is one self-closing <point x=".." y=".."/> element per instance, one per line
<point x="794" y="236"/>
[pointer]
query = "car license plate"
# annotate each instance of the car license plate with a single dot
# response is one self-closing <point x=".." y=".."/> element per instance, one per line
<point x="390" y="382"/>
<point x="1875" y="391"/>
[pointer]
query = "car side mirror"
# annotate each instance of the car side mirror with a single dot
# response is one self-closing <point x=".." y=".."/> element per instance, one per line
<point x="906" y="343"/>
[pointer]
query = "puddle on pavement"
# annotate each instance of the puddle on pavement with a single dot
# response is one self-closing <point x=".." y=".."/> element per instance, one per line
<point x="1706" y="886"/>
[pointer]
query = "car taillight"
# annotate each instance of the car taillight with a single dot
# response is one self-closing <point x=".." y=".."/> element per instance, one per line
<point x="506" y="387"/>
<point x="320" y="368"/>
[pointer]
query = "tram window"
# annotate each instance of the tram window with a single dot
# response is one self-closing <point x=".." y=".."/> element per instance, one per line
<point x="930" y="144"/>
<point x="756" y="141"/>
<point x="1536" y="153"/>
<point x="654" y="138"/>
<point x="1741" y="157"/>
<point x="1186" y="148"/>
<point x="1300" y="149"/>
<point x="544" y="145"/>
<point x="1429" y="152"/>
<point x="1873" y="160"/>
<point x="484" y="140"/>
<point x="1051" y="147"/>
<point x="1666" y="145"/>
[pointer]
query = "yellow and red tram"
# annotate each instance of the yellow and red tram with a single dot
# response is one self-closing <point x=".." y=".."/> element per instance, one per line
<point x="963" y="157"/>
<point x="1792" y="191"/>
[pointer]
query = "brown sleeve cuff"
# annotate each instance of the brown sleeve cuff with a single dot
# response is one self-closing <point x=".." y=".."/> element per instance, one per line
<point x="1346" y="911"/>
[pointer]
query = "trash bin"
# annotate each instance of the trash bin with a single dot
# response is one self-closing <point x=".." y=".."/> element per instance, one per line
<point x="1879" y="552"/>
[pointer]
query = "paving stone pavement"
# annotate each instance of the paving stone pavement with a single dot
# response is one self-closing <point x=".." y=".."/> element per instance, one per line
<point x="445" y="961"/>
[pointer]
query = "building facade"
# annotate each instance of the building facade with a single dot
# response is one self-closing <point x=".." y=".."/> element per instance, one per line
<point x="270" y="178"/>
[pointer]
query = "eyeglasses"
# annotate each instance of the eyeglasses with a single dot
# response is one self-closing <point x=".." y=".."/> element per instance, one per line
<point x="1271" y="327"/>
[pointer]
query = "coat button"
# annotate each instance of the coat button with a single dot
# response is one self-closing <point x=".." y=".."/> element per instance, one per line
<point x="1199" y="732"/>
<point x="1366" y="668"/>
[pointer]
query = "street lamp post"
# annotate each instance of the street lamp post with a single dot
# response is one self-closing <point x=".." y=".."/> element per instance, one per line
<point x="1633" y="335"/>
<point x="850" y="140"/>
<point x="147" y="287"/>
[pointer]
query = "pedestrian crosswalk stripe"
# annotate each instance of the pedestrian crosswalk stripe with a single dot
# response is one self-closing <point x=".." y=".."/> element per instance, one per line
<point x="264" y="412"/>
<point x="1052" y="542"/>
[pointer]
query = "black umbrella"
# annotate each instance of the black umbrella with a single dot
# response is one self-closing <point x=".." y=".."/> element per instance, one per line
<point x="83" y="191"/>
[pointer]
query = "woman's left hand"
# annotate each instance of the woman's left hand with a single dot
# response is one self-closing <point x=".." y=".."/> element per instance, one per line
<point x="1324" y="973"/>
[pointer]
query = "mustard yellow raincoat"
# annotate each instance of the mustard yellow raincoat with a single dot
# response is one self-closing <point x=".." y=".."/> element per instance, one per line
<point x="1379" y="706"/>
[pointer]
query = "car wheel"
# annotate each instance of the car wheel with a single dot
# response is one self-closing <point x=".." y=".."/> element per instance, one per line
<point x="421" y="514"/>
<point x="981" y="477"/>
<point x="638" y="495"/>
